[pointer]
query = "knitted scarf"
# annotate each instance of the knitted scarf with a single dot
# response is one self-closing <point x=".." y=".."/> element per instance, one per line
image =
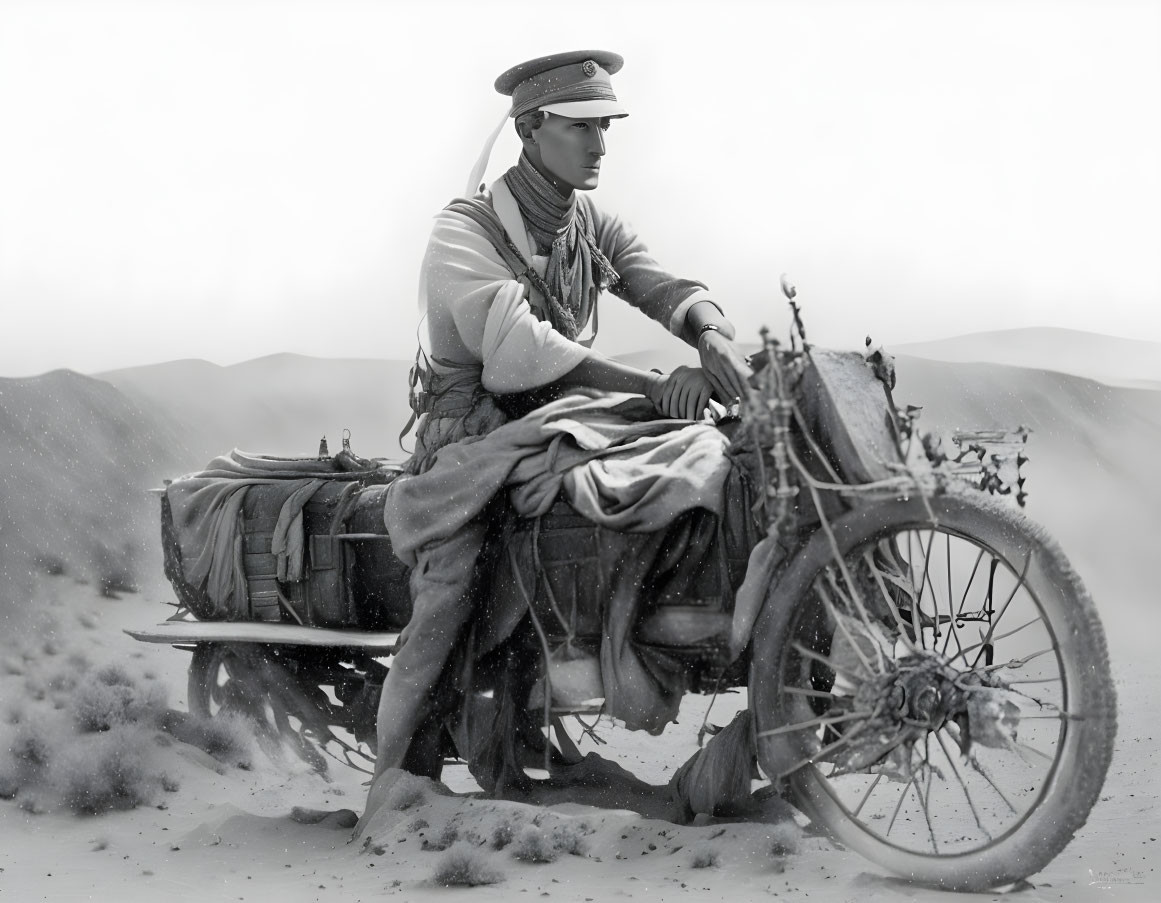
<point x="561" y="227"/>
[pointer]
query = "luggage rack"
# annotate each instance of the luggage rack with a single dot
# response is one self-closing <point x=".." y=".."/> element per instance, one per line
<point x="190" y="633"/>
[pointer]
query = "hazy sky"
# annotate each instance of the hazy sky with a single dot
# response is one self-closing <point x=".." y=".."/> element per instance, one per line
<point x="224" y="180"/>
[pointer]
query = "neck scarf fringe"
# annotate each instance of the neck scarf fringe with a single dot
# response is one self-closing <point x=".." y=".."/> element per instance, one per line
<point x="562" y="227"/>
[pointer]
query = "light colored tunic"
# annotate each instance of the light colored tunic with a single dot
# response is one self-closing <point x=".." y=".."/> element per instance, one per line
<point x="478" y="313"/>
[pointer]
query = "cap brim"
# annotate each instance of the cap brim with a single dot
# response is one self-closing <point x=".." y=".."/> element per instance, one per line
<point x="587" y="109"/>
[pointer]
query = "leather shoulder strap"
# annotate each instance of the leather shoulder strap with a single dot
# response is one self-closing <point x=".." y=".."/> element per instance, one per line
<point x="485" y="217"/>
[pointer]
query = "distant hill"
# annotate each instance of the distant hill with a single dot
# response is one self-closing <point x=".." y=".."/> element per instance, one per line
<point x="76" y="459"/>
<point x="282" y="404"/>
<point x="1108" y="359"/>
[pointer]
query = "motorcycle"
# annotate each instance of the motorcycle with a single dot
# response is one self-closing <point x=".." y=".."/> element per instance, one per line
<point x="928" y="678"/>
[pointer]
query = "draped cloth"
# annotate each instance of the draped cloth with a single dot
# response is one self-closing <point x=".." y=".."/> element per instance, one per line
<point x="207" y="509"/>
<point x="562" y="226"/>
<point x="618" y="469"/>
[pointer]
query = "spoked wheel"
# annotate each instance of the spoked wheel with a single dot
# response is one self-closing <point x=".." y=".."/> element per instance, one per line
<point x="937" y="694"/>
<point x="241" y="680"/>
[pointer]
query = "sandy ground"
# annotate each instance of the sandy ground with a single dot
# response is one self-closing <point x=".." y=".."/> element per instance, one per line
<point x="227" y="834"/>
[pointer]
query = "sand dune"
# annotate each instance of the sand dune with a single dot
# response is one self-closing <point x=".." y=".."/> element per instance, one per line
<point x="1110" y="359"/>
<point x="76" y="459"/>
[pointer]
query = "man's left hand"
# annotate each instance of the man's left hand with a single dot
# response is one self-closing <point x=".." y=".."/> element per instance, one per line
<point x="724" y="366"/>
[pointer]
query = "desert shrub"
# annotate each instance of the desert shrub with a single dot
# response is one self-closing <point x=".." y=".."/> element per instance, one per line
<point x="534" y="845"/>
<point x="504" y="832"/>
<point x="569" y="839"/>
<point x="115" y="675"/>
<point x="538" y="844"/>
<point x="464" y="866"/>
<point x="107" y="772"/>
<point x="706" y="858"/>
<point x="114" y="698"/>
<point x="32" y="746"/>
<point x="784" y="838"/>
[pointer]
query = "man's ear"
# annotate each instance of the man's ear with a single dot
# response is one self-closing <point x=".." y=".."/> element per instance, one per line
<point x="526" y="133"/>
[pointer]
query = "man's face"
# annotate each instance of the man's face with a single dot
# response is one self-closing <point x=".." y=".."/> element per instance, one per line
<point x="571" y="149"/>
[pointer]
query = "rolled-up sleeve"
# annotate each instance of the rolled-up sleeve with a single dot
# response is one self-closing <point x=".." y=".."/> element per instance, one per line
<point x="643" y="282"/>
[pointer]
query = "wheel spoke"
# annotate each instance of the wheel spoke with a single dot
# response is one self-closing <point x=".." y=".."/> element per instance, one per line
<point x="978" y="766"/>
<point x="814" y="757"/>
<point x="925" y="796"/>
<point x="822" y="659"/>
<point x="926" y="581"/>
<point x="951" y="631"/>
<point x="962" y="784"/>
<point x="841" y="624"/>
<point x="895" y="613"/>
<point x="813" y="722"/>
<point x="1033" y="749"/>
<point x="899" y="805"/>
<point x="966" y="590"/>
<point x="814" y="694"/>
<point x="867" y="795"/>
<point x="915" y="600"/>
<point x="855" y="602"/>
<point x="1016" y="662"/>
<point x="993" y="640"/>
<point x="1003" y="608"/>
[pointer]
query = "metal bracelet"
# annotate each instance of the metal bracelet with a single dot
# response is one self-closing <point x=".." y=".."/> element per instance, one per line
<point x="708" y="327"/>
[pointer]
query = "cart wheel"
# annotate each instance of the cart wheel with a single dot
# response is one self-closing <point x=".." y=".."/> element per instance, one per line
<point x="241" y="680"/>
<point x="937" y="694"/>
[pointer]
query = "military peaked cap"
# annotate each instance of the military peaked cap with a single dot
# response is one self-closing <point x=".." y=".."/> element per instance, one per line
<point x="574" y="84"/>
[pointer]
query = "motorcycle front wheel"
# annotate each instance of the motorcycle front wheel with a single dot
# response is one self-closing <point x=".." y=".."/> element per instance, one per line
<point x="931" y="681"/>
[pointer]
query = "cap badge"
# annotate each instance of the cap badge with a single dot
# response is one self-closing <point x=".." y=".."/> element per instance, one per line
<point x="589" y="68"/>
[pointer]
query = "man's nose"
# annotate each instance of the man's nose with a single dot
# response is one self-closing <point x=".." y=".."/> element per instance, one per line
<point x="598" y="146"/>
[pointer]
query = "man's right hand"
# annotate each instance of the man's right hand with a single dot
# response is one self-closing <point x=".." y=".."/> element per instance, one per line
<point x="683" y="394"/>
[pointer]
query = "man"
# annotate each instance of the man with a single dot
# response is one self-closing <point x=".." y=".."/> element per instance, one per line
<point x="509" y="288"/>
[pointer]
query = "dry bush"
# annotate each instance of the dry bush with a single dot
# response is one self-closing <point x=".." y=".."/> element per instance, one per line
<point x="114" y="675"/>
<point x="465" y="866"/>
<point x="33" y="745"/>
<point x="784" y="838"/>
<point x="107" y="772"/>
<point x="535" y="843"/>
<point x="98" y="752"/>
<point x="568" y="838"/>
<point x="706" y="858"/>
<point x="115" y="699"/>
<point x="505" y="831"/>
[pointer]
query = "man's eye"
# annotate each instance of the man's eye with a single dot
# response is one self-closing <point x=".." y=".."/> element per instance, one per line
<point x="605" y="126"/>
<point x="580" y="125"/>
